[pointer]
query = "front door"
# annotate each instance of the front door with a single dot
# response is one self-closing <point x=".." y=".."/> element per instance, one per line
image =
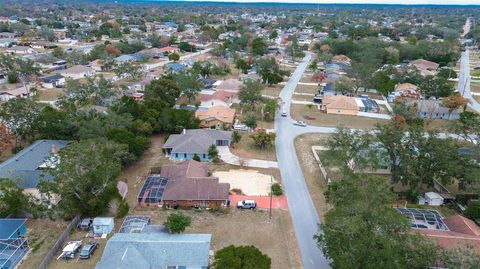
<point x="204" y="204"/>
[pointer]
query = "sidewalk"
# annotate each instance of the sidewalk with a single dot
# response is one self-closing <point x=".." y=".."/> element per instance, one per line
<point x="228" y="157"/>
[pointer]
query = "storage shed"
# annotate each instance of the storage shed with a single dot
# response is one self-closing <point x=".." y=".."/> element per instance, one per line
<point x="103" y="225"/>
<point x="433" y="198"/>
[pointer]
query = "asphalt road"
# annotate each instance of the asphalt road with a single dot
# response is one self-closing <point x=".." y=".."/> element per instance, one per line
<point x="464" y="81"/>
<point x="304" y="215"/>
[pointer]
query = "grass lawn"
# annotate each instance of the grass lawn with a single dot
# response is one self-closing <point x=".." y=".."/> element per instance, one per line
<point x="49" y="94"/>
<point x="475" y="86"/>
<point x="273" y="90"/>
<point x="318" y="118"/>
<point x="41" y="235"/>
<point x="298" y="97"/>
<point x="307" y="79"/>
<point x="477" y="97"/>
<point x="306" y="89"/>
<point x="475" y="73"/>
<point x="247" y="149"/>
<point x="311" y="172"/>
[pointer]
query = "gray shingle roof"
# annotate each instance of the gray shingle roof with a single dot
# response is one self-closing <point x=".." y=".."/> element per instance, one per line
<point x="195" y="140"/>
<point x="23" y="168"/>
<point x="157" y="250"/>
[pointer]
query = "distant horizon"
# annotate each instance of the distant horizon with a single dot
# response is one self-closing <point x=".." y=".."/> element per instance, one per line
<point x="357" y="2"/>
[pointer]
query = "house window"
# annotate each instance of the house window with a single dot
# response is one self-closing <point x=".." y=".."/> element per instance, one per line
<point x="185" y="155"/>
<point x="204" y="156"/>
<point x="176" y="155"/>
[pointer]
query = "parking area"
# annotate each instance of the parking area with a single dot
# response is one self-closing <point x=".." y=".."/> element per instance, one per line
<point x="278" y="202"/>
<point x="250" y="182"/>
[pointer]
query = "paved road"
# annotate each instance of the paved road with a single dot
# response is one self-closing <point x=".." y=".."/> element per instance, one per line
<point x="227" y="156"/>
<point x="464" y="81"/>
<point x="304" y="215"/>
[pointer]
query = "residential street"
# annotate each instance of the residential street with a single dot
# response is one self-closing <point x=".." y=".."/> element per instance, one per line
<point x="464" y="81"/>
<point x="304" y="215"/>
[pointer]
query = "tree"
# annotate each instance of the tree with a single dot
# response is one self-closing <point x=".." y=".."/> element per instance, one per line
<point x="363" y="231"/>
<point x="85" y="178"/>
<point x="273" y="35"/>
<point x="269" y="109"/>
<point x="382" y="83"/>
<point x="189" y="85"/>
<point x="344" y="85"/>
<point x="319" y="76"/>
<point x="259" y="47"/>
<point x="251" y="93"/>
<point x="213" y="153"/>
<point x="130" y="70"/>
<point x="269" y="70"/>
<point x="263" y="140"/>
<point x="19" y="116"/>
<point x="58" y="52"/>
<point x="251" y="121"/>
<point x="242" y="257"/>
<point x="236" y="137"/>
<point x="467" y="127"/>
<point x="463" y="256"/>
<point x="12" y="199"/>
<point x="6" y="139"/>
<point x="473" y="210"/>
<point x="177" y="222"/>
<point x="241" y="64"/>
<point x="436" y="86"/>
<point x="112" y="50"/>
<point x="174" y="57"/>
<point x="162" y="92"/>
<point x="185" y="46"/>
<point x="454" y="102"/>
<point x="136" y="144"/>
<point x="313" y="66"/>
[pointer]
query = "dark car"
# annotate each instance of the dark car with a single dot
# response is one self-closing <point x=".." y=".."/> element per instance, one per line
<point x="87" y="250"/>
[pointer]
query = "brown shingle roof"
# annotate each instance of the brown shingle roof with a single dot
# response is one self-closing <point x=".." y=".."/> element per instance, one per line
<point x="340" y="102"/>
<point x="185" y="169"/>
<point x="220" y="113"/>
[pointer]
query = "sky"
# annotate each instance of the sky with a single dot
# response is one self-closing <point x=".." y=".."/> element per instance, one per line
<point x="404" y="2"/>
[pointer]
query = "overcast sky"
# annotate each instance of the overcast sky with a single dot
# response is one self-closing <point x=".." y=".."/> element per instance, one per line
<point x="405" y="2"/>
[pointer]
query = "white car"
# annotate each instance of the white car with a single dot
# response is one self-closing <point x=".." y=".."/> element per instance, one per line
<point x="284" y="113"/>
<point x="246" y="204"/>
<point x="300" y="123"/>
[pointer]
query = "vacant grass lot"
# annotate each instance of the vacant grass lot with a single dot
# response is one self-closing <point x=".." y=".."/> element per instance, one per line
<point x="49" y="94"/>
<point x="311" y="172"/>
<point x="313" y="116"/>
<point x="475" y="86"/>
<point x="247" y="149"/>
<point x="306" y="89"/>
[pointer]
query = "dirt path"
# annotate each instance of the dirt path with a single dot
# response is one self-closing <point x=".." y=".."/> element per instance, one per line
<point x="135" y="174"/>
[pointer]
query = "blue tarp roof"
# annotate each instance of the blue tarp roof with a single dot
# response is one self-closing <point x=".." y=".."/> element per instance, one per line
<point x="10" y="226"/>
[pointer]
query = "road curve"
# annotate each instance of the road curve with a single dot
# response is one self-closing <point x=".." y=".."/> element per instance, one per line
<point x="304" y="215"/>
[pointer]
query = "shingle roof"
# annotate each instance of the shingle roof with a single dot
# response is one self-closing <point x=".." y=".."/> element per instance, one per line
<point x="157" y="250"/>
<point x="220" y="113"/>
<point x="207" y="188"/>
<point x="195" y="140"/>
<point x="78" y="69"/>
<point x="340" y="102"/>
<point x="23" y="168"/>
<point x="185" y="169"/>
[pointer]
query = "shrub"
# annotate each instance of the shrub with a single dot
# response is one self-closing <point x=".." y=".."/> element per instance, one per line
<point x="177" y="222"/>
<point x="17" y="149"/>
<point x="277" y="189"/>
<point x="196" y="157"/>
<point x="473" y="210"/>
<point x="123" y="209"/>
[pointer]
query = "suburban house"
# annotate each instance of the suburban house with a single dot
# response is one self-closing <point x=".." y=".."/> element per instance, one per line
<point x="426" y="68"/>
<point x="187" y="184"/>
<point x="407" y="90"/>
<point x="53" y="81"/>
<point x="175" y="67"/>
<point x="20" y="50"/>
<point x="219" y="98"/>
<point x="434" y="109"/>
<point x="193" y="142"/>
<point x="169" y="50"/>
<point x="13" y="245"/>
<point x="339" y="104"/>
<point x="230" y="85"/>
<point x="28" y="167"/>
<point x="7" y="42"/>
<point x="96" y="65"/>
<point x="78" y="72"/>
<point x="216" y="117"/>
<point x="156" y="250"/>
<point x="19" y="92"/>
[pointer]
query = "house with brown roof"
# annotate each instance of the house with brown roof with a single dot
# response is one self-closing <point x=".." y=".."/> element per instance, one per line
<point x="219" y="98"/>
<point x="408" y="90"/>
<point x="339" y="104"/>
<point x="187" y="184"/>
<point x="78" y="72"/>
<point x="427" y="68"/>
<point x="216" y="117"/>
<point x="230" y="85"/>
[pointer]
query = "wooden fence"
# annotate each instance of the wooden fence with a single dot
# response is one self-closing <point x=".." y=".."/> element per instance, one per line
<point x="59" y="243"/>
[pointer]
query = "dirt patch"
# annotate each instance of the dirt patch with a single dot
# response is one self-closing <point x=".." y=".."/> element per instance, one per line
<point x="274" y="237"/>
<point x="251" y="182"/>
<point x="41" y="236"/>
<point x="313" y="177"/>
<point x="48" y="94"/>
<point x="313" y="116"/>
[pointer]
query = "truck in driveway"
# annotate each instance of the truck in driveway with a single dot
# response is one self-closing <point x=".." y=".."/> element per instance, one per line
<point x="247" y="204"/>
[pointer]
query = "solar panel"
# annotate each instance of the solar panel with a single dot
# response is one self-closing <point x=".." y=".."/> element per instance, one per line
<point x="424" y="218"/>
<point x="152" y="190"/>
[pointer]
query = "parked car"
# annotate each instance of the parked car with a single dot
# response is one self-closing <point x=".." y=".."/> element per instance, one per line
<point x="241" y="127"/>
<point x="88" y="249"/>
<point x="85" y="224"/>
<point x="300" y="123"/>
<point x="284" y="113"/>
<point x="247" y="204"/>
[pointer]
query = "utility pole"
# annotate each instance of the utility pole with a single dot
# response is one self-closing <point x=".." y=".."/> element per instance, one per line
<point x="271" y="197"/>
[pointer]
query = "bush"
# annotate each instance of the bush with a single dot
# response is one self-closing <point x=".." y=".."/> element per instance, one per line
<point x="17" y="149"/>
<point x="12" y="77"/>
<point x="277" y="189"/>
<point x="177" y="222"/>
<point x="473" y="210"/>
<point x="233" y="257"/>
<point x="196" y="157"/>
<point x="123" y="209"/>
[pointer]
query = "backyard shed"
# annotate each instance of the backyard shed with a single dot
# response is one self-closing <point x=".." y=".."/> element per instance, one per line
<point x="103" y="225"/>
<point x="433" y="198"/>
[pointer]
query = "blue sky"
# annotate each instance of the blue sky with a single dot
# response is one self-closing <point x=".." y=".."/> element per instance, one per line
<point x="405" y="2"/>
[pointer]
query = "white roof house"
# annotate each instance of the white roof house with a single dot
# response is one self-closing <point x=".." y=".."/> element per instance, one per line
<point x="433" y="198"/>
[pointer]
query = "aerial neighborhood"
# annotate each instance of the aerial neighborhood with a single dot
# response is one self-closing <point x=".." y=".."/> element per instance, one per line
<point x="194" y="135"/>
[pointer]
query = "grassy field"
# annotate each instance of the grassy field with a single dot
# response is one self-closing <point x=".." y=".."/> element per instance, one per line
<point x="247" y="149"/>
<point x="315" y="117"/>
<point x="475" y="86"/>
<point x="311" y="172"/>
<point x="475" y="73"/>
<point x="273" y="90"/>
<point x="49" y="94"/>
<point x="306" y="89"/>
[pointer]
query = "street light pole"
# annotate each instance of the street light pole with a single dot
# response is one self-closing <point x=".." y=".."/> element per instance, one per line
<point x="271" y="197"/>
